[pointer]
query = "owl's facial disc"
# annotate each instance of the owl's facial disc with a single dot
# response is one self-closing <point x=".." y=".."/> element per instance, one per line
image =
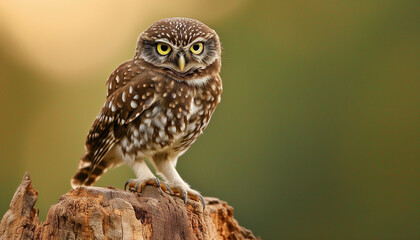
<point x="182" y="48"/>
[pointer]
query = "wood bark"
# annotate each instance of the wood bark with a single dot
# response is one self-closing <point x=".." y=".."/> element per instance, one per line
<point x="109" y="213"/>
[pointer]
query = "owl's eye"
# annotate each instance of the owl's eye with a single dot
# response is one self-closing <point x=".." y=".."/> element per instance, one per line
<point x="197" y="48"/>
<point x="163" y="48"/>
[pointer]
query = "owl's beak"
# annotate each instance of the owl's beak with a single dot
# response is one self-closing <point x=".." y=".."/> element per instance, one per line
<point x="181" y="62"/>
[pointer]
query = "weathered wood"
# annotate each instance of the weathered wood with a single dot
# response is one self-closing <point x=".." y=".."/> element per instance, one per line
<point x="21" y="220"/>
<point x="108" y="213"/>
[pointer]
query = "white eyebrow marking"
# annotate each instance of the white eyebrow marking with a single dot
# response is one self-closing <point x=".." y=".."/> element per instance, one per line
<point x="199" y="39"/>
<point x="165" y="40"/>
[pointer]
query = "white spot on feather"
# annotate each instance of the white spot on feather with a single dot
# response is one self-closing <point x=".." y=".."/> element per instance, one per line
<point x="147" y="122"/>
<point x="161" y="133"/>
<point x="142" y="128"/>
<point x="133" y="104"/>
<point x="172" y="129"/>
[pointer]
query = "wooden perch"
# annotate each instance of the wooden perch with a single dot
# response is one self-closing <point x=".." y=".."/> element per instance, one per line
<point x="108" y="213"/>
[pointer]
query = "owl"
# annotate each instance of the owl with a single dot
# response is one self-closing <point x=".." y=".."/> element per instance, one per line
<point x="157" y="105"/>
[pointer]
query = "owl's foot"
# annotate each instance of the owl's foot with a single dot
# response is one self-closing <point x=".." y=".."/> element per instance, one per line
<point x="186" y="192"/>
<point x="136" y="185"/>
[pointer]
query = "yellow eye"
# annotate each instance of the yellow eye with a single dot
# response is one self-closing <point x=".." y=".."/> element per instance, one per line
<point x="197" y="48"/>
<point x="163" y="48"/>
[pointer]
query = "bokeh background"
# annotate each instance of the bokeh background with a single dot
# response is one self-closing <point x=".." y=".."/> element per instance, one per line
<point x="317" y="135"/>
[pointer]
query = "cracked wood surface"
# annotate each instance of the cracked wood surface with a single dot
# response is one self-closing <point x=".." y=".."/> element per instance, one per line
<point x="109" y="213"/>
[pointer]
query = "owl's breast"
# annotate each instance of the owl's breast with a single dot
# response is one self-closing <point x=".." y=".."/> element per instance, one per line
<point x="172" y="123"/>
<point x="200" y="110"/>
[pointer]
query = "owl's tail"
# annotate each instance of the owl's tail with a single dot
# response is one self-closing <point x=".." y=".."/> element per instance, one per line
<point x="86" y="176"/>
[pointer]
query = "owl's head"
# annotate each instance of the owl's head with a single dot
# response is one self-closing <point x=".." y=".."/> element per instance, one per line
<point x="181" y="48"/>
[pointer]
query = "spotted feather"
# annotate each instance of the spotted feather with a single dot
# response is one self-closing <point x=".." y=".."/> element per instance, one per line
<point x="125" y="102"/>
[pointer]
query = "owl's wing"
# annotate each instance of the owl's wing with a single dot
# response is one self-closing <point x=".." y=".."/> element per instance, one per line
<point x="123" y="74"/>
<point x="121" y="107"/>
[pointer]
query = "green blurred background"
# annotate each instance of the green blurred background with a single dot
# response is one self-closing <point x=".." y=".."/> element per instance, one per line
<point x="317" y="135"/>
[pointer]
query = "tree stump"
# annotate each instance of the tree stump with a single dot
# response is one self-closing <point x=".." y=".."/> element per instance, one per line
<point x="109" y="213"/>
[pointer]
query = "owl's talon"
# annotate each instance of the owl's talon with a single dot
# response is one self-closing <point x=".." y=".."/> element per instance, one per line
<point x="167" y="187"/>
<point x="157" y="182"/>
<point x="136" y="186"/>
<point x="187" y="192"/>
<point x="197" y="197"/>
<point x="202" y="201"/>
<point x="163" y="185"/>
<point x="184" y="193"/>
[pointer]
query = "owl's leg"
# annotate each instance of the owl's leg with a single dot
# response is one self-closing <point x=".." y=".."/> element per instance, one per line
<point x="144" y="177"/>
<point x="165" y="167"/>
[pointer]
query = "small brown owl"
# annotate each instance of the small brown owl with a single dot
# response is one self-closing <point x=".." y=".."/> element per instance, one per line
<point x="157" y="105"/>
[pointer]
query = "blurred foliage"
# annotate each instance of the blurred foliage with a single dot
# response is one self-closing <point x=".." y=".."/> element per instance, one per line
<point x="317" y="135"/>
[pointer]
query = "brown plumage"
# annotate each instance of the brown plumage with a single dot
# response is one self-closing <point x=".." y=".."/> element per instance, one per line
<point x="157" y="105"/>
